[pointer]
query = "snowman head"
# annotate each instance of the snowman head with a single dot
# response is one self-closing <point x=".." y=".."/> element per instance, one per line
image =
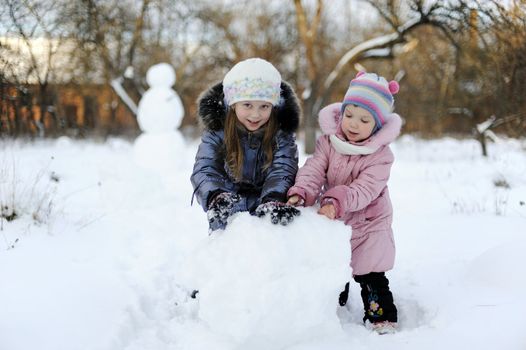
<point x="161" y="75"/>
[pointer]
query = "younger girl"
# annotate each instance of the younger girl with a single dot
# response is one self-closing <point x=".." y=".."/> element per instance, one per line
<point x="348" y="176"/>
<point x="247" y="159"/>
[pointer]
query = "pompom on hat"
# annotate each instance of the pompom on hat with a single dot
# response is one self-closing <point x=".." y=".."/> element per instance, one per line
<point x="373" y="93"/>
<point x="252" y="79"/>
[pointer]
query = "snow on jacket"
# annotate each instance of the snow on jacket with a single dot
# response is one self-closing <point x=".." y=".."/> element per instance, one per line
<point x="354" y="178"/>
<point x="211" y="175"/>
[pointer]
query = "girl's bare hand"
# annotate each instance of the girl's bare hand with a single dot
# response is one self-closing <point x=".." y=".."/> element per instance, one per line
<point x="293" y="200"/>
<point x="328" y="210"/>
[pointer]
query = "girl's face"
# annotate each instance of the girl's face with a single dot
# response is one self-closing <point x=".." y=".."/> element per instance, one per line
<point x="357" y="123"/>
<point x="253" y="114"/>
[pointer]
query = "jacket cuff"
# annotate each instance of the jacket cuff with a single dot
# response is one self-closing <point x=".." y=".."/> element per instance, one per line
<point x="274" y="197"/>
<point x="335" y="195"/>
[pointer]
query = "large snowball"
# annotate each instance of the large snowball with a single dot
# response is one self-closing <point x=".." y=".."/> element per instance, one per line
<point x="269" y="286"/>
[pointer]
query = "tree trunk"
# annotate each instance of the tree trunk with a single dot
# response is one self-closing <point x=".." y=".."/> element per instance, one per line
<point x="310" y="125"/>
<point x="482" y="140"/>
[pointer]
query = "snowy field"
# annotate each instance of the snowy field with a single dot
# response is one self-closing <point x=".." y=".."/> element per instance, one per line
<point x="103" y="254"/>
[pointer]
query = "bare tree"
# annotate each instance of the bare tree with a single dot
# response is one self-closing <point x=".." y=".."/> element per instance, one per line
<point x="495" y="68"/>
<point x="308" y="33"/>
<point x="10" y="89"/>
<point x="109" y="35"/>
<point x="36" y="25"/>
<point x="228" y="37"/>
<point x="460" y="55"/>
<point x="485" y="130"/>
<point x="421" y="13"/>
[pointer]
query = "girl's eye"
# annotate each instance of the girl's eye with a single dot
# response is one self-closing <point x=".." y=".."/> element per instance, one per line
<point x="247" y="105"/>
<point x="348" y="115"/>
<point x="265" y="106"/>
<point x="365" y="121"/>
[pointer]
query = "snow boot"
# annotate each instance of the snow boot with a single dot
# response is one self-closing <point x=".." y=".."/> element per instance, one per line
<point x="377" y="298"/>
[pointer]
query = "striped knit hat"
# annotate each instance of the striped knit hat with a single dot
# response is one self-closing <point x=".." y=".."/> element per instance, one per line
<point x="373" y="93"/>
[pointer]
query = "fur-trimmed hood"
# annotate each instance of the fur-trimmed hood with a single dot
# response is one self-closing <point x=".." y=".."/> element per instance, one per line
<point x="212" y="110"/>
<point x="330" y="119"/>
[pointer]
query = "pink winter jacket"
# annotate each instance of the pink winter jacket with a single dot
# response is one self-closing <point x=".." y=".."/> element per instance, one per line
<point x="354" y="178"/>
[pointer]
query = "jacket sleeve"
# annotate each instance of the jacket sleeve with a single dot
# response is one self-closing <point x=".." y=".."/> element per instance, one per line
<point x="209" y="176"/>
<point x="313" y="175"/>
<point x="281" y="173"/>
<point x="365" y="188"/>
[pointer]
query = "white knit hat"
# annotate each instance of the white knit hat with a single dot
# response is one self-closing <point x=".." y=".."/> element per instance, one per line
<point x="252" y="79"/>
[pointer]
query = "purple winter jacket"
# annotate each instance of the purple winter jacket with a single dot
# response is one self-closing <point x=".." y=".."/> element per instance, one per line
<point x="354" y="178"/>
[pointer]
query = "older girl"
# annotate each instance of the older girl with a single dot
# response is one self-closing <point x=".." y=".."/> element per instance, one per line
<point x="247" y="159"/>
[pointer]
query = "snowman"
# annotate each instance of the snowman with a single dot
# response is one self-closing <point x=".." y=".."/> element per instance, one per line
<point x="159" y="115"/>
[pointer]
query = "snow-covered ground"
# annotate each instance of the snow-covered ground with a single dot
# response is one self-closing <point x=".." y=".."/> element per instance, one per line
<point x="104" y="253"/>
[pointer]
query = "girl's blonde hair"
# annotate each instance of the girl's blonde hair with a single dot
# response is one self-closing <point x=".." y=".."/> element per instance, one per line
<point x="234" y="152"/>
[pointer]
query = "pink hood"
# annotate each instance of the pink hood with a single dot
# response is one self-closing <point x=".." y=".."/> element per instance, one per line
<point x="330" y="118"/>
